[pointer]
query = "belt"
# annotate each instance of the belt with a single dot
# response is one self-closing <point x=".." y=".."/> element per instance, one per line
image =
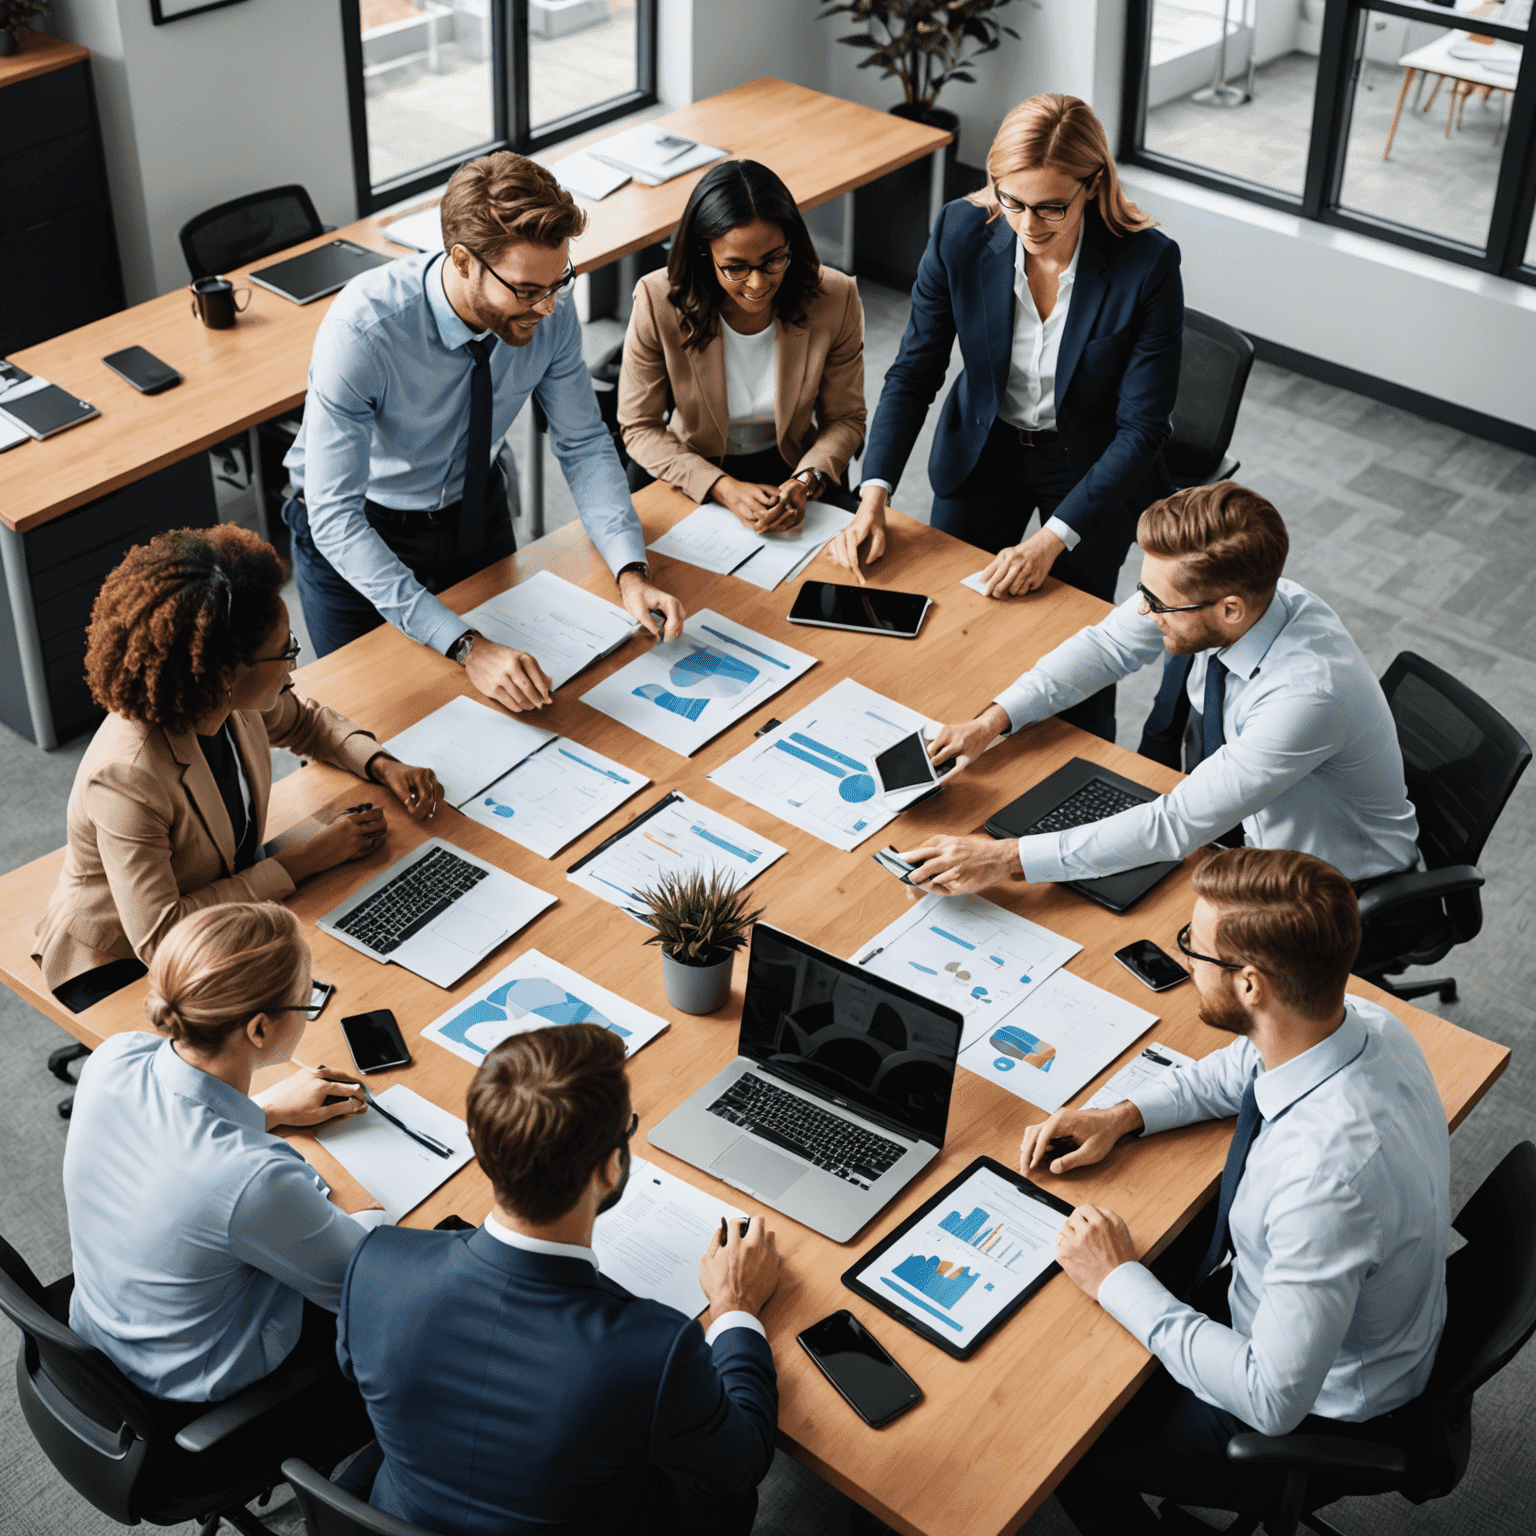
<point x="1031" y="437"/>
<point x="431" y="517"/>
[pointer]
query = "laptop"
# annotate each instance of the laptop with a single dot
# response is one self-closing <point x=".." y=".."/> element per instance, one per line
<point x="1077" y="793"/>
<point x="838" y="1096"/>
<point x="438" y="912"/>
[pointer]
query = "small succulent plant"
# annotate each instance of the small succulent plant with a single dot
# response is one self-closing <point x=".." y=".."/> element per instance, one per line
<point x="698" y="919"/>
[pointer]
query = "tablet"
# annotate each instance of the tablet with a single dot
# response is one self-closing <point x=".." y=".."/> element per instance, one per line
<point x="311" y="276"/>
<point x="871" y="610"/>
<point x="42" y="409"/>
<point x="959" y="1267"/>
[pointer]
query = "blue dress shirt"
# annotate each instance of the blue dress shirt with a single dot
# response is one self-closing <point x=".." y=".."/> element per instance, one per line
<point x="196" y="1233"/>
<point x="387" y="420"/>
<point x="1311" y="759"/>
<point x="1340" y="1228"/>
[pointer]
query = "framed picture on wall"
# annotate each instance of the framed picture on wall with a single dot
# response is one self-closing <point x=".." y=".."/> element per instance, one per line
<point x="163" y="11"/>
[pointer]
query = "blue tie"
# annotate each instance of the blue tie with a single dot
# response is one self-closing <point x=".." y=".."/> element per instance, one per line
<point x="1212" y="734"/>
<point x="1163" y="734"/>
<point x="1248" y="1121"/>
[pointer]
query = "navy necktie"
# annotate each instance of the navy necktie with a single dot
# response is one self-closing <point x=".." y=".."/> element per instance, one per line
<point x="477" y="464"/>
<point x="1248" y="1121"/>
<point x="1212" y="731"/>
<point x="1163" y="734"/>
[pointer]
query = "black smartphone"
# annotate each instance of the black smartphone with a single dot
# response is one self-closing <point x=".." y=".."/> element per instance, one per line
<point x="319" y="995"/>
<point x="375" y="1041"/>
<point x="907" y="765"/>
<point x="1150" y="966"/>
<point x="142" y="369"/>
<point x="856" y="1363"/>
<point x="871" y="610"/>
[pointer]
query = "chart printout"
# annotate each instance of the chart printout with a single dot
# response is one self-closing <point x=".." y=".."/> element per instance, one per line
<point x="562" y="626"/>
<point x="467" y="745"/>
<point x="969" y="1258"/>
<point x="816" y="770"/>
<point x="1151" y="1064"/>
<point x="554" y="795"/>
<point x="679" y="839"/>
<point x="970" y="955"/>
<point x="684" y="692"/>
<point x="1058" y="1039"/>
<point x="532" y="993"/>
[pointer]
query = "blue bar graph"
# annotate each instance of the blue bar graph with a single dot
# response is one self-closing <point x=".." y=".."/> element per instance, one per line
<point x="936" y="1278"/>
<point x="826" y="751"/>
<point x="965" y="1228"/>
<point x="751" y="855"/>
<point x="618" y="778"/>
<point x="954" y="938"/>
<point x="741" y="645"/>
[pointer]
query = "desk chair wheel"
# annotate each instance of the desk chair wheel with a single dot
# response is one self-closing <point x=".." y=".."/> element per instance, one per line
<point x="59" y="1060"/>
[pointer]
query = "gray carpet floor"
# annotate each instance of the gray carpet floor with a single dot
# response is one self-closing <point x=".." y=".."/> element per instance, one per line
<point x="1422" y="538"/>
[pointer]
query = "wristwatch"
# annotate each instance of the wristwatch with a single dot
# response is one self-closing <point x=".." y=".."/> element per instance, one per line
<point x="634" y="565"/>
<point x="460" y="649"/>
<point x="821" y="481"/>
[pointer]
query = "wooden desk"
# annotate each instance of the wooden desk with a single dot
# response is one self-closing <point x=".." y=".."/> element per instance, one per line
<point x="977" y="1456"/>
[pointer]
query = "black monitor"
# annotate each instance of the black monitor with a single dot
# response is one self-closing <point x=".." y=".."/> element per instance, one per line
<point x="855" y="1038"/>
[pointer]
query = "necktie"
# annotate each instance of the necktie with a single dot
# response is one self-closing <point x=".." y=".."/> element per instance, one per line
<point x="1248" y="1121"/>
<point x="477" y="464"/>
<point x="1212" y="733"/>
<point x="1163" y="734"/>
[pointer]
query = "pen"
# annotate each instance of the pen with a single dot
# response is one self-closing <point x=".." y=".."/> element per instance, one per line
<point x="429" y="1142"/>
<point x="871" y="955"/>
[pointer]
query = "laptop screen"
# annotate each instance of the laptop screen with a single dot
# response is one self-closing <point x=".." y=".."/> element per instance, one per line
<point x="856" y="1039"/>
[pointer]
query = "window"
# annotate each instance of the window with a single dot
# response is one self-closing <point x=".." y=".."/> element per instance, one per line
<point x="432" y="83"/>
<point x="1411" y="120"/>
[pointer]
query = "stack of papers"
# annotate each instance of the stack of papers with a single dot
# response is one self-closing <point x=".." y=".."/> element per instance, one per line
<point x="653" y="154"/>
<point x="1154" y="1062"/>
<point x="421" y="231"/>
<point x="714" y="539"/>
<point x="585" y="177"/>
<point x="467" y="745"/>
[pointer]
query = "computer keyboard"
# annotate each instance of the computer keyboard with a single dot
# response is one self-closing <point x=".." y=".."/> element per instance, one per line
<point x="410" y="901"/>
<point x="788" y="1121"/>
<point x="1093" y="802"/>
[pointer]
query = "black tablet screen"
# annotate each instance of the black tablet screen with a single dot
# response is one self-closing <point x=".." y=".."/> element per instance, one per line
<point x="825" y="602"/>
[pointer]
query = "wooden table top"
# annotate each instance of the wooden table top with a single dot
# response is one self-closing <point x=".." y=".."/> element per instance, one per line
<point x="40" y="54"/>
<point x="976" y="1456"/>
<point x="821" y="145"/>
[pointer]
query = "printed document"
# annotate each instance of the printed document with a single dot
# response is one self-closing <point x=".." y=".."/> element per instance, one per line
<point x="714" y="539"/>
<point x="467" y="745"/>
<point x="1154" y="1062"/>
<point x="399" y="1173"/>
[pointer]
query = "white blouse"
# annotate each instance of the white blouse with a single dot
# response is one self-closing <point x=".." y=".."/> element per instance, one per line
<point x="750" y="367"/>
<point x="1029" y="400"/>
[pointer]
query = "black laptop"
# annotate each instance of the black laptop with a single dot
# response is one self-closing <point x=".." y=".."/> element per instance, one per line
<point x="1077" y="793"/>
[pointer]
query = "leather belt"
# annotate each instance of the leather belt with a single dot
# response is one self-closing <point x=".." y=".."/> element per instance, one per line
<point x="431" y="517"/>
<point x="1034" y="437"/>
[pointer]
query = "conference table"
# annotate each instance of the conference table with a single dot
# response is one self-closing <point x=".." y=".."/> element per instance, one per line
<point x="993" y="1435"/>
<point x="71" y="506"/>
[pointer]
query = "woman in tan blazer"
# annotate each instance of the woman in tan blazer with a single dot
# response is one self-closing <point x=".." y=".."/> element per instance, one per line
<point x="755" y="348"/>
<point x="189" y="650"/>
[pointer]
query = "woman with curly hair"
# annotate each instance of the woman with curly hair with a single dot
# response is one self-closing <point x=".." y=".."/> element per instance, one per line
<point x="189" y="651"/>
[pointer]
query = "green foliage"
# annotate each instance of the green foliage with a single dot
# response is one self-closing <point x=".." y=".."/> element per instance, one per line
<point x="14" y="13"/>
<point x="698" y="920"/>
<point x="923" y="43"/>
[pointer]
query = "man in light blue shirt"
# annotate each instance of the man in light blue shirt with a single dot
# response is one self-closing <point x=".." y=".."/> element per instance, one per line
<point x="1334" y="1204"/>
<point x="418" y="370"/>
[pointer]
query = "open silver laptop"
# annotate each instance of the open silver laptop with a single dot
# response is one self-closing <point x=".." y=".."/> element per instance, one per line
<point x="838" y="1096"/>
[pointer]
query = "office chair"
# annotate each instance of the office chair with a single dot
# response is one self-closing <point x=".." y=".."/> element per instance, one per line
<point x="247" y="228"/>
<point x="1491" y="1314"/>
<point x="1462" y="759"/>
<point x="104" y="1436"/>
<point x="330" y="1511"/>
<point x="1213" y="373"/>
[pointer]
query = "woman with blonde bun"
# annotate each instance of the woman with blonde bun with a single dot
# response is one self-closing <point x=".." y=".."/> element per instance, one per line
<point x="206" y="1253"/>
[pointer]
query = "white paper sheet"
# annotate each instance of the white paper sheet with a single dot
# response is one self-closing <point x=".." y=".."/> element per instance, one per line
<point x="563" y="626"/>
<point x="1152" y="1063"/>
<point x="652" y="1240"/>
<point x="654" y="153"/>
<point x="970" y="955"/>
<point x="975" y="583"/>
<point x="422" y="231"/>
<point x="680" y="838"/>
<point x="714" y="539"/>
<point x="553" y="796"/>
<point x="533" y="993"/>
<point x="1059" y="1038"/>
<point x="816" y="770"/>
<point x="467" y="745"/>
<point x="399" y="1173"/>
<point x="684" y="692"/>
<point x="588" y="177"/>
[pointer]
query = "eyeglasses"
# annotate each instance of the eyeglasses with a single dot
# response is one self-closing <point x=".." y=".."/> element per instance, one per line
<point x="1052" y="213"/>
<point x="634" y="1125"/>
<point x="740" y="271"/>
<point x="1183" y="942"/>
<point x="1157" y="605"/>
<point x="291" y="655"/>
<point x="526" y="293"/>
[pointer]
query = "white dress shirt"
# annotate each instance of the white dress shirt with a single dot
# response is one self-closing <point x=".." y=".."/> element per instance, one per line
<point x="1311" y="759"/>
<point x="750" y="365"/>
<point x="512" y="1239"/>
<point x="1340" y="1228"/>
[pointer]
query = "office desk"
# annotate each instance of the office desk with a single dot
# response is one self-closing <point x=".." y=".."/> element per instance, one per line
<point x="994" y="1434"/>
<point x="234" y="379"/>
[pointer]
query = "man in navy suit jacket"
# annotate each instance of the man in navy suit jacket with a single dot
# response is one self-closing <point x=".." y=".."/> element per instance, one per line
<point x="515" y="1389"/>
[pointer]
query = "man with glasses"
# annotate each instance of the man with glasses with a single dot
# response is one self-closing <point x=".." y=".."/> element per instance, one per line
<point x="513" y="1387"/>
<point x="418" y="371"/>
<point x="1288" y="740"/>
<point x="1334" y="1208"/>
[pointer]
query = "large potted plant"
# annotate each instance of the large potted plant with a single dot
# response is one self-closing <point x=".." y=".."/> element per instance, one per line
<point x="700" y="922"/>
<point x="13" y="14"/>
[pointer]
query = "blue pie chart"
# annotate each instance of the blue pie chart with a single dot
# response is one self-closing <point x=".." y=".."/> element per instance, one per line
<point x="856" y="787"/>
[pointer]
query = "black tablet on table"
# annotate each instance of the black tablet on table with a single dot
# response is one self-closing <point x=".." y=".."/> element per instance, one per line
<point x="312" y="275"/>
<point x="962" y="1264"/>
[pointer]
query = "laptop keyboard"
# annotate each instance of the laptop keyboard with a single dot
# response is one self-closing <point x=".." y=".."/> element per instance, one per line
<point x="825" y="1139"/>
<point x="1093" y="802"/>
<point x="410" y="901"/>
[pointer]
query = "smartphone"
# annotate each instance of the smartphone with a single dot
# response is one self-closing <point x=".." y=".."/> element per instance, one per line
<point x="319" y="995"/>
<point x="870" y="610"/>
<point x="907" y="765"/>
<point x="856" y="1363"/>
<point x="375" y="1041"/>
<point x="1150" y="966"/>
<point x="142" y="369"/>
<point x="893" y="863"/>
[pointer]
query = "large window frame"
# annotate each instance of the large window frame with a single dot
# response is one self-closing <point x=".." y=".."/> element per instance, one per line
<point x="511" y="99"/>
<point x="1337" y="72"/>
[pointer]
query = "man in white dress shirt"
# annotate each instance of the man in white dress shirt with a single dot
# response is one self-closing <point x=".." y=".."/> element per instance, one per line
<point x="1335" y="1206"/>
<point x="1289" y="738"/>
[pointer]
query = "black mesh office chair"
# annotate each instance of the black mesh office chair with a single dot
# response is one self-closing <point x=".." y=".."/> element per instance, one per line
<point x="1213" y="373"/>
<point x="328" y="1511"/>
<point x="247" y="228"/>
<point x="1491" y="1314"/>
<point x="1462" y="760"/>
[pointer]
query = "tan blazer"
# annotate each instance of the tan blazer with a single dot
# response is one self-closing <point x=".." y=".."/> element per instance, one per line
<point x="151" y="841"/>
<point x="818" y="394"/>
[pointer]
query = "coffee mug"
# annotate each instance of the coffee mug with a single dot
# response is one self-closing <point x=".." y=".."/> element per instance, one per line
<point x="213" y="302"/>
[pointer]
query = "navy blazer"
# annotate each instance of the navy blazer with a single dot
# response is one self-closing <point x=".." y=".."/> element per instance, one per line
<point x="521" y="1392"/>
<point x="1117" y="370"/>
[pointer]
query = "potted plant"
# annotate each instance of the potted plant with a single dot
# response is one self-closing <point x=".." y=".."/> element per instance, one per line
<point x="13" y="13"/>
<point x="700" y="922"/>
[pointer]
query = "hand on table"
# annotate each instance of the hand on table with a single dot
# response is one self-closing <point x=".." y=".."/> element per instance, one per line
<point x="967" y="741"/>
<point x="868" y="523"/>
<point x="416" y="789"/>
<point x="640" y="596"/>
<point x="756" y="506"/>
<point x="1091" y="1245"/>
<point x="354" y="834"/>
<point x="512" y="678"/>
<point x="790" y="513"/>
<point x="1093" y="1133"/>
<point x="300" y="1098"/>
<point x="958" y="866"/>
<point x="740" y="1274"/>
<point x="1022" y="567"/>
